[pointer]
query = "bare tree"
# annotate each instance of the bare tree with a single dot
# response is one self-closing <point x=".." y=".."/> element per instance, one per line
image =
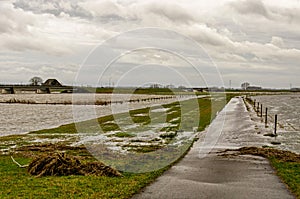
<point x="35" y="81"/>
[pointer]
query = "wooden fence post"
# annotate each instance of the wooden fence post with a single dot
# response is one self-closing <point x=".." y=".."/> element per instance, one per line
<point x="275" y="128"/>
<point x="266" y="118"/>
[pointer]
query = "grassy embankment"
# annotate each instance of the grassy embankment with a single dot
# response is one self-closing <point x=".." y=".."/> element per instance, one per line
<point x="17" y="183"/>
<point x="289" y="172"/>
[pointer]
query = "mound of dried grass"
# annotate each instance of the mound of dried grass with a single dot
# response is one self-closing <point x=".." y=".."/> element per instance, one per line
<point x="285" y="156"/>
<point x="61" y="164"/>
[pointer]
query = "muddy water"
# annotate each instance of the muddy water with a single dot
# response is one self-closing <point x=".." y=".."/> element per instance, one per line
<point x="287" y="107"/>
<point x="23" y="118"/>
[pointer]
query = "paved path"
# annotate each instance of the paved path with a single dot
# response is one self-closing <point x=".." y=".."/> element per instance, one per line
<point x="213" y="176"/>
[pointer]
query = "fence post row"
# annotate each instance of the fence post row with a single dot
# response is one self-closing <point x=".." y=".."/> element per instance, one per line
<point x="266" y="115"/>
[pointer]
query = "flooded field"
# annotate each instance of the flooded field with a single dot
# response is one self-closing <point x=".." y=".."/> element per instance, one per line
<point x="130" y="132"/>
<point x="287" y="107"/>
<point x="20" y="118"/>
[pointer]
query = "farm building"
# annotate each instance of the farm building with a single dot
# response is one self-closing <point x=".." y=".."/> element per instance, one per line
<point x="52" y="82"/>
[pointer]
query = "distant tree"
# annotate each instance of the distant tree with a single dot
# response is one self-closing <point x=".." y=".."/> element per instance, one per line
<point x="35" y="81"/>
<point x="245" y="85"/>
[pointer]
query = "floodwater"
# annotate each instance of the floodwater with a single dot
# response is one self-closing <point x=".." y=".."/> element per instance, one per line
<point x="23" y="118"/>
<point x="287" y="107"/>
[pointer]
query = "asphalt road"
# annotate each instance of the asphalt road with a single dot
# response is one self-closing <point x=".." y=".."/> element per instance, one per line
<point x="202" y="173"/>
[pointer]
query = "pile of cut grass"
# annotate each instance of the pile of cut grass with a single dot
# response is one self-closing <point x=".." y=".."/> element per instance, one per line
<point x="271" y="153"/>
<point x="61" y="164"/>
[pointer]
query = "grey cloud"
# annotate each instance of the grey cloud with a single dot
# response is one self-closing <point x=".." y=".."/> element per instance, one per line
<point x="252" y="7"/>
<point x="22" y="30"/>
<point x="14" y="21"/>
<point x="55" y="7"/>
<point x="108" y="11"/>
<point x="206" y="35"/>
<point x="289" y="15"/>
<point x="276" y="13"/>
<point x="97" y="10"/>
<point x="20" y="71"/>
<point x="19" y="42"/>
<point x="110" y="17"/>
<point x="173" y="12"/>
<point x="277" y="41"/>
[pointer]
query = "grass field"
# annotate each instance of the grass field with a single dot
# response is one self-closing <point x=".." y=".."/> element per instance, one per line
<point x="17" y="183"/>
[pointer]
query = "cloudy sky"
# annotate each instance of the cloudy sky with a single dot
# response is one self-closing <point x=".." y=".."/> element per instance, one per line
<point x="136" y="42"/>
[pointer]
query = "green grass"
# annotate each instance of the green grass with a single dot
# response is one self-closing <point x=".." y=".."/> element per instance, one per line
<point x="17" y="183"/>
<point x="289" y="172"/>
<point x="146" y="149"/>
<point x="124" y="135"/>
<point x="141" y="119"/>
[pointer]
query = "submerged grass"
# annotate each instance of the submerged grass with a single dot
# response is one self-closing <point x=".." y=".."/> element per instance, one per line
<point x="123" y="135"/>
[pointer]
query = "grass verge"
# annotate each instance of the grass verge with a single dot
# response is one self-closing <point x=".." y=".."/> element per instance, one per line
<point x="17" y="183"/>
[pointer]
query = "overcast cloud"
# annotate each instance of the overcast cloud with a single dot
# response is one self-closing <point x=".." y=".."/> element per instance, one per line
<point x="249" y="40"/>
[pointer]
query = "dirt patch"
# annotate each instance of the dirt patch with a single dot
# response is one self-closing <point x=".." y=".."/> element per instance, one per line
<point x="61" y="164"/>
<point x="285" y="156"/>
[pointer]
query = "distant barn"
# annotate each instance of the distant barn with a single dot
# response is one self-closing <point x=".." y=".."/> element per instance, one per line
<point x="52" y="82"/>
